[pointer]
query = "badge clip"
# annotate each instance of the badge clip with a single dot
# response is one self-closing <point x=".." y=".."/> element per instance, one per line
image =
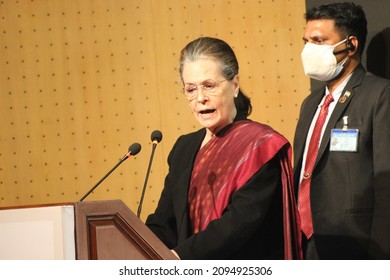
<point x="345" y="126"/>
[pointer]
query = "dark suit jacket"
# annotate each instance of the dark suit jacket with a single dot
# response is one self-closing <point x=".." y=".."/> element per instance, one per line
<point x="350" y="191"/>
<point x="251" y="227"/>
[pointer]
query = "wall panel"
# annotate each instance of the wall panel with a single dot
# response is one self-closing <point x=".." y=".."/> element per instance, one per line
<point x="81" y="80"/>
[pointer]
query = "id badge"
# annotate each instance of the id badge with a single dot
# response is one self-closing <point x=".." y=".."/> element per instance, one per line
<point x="344" y="140"/>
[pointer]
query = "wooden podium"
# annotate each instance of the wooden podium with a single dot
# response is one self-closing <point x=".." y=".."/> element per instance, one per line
<point x="97" y="230"/>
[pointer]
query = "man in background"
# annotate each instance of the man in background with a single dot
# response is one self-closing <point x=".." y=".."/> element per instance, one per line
<point x="342" y="142"/>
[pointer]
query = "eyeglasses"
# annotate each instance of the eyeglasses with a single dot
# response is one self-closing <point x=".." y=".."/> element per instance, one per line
<point x="208" y="87"/>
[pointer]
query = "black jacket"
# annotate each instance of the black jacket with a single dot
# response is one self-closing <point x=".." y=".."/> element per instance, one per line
<point x="350" y="191"/>
<point x="251" y="226"/>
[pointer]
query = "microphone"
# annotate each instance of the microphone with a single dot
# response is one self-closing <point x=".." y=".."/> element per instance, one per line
<point x="156" y="137"/>
<point x="347" y="49"/>
<point x="134" y="149"/>
<point x="350" y="47"/>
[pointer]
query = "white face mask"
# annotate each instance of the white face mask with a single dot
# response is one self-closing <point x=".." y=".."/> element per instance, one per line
<point x="320" y="63"/>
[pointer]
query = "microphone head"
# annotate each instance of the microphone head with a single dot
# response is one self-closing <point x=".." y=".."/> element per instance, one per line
<point x="156" y="136"/>
<point x="134" y="149"/>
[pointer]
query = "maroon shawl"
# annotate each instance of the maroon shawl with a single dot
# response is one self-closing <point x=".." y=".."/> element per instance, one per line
<point x="227" y="162"/>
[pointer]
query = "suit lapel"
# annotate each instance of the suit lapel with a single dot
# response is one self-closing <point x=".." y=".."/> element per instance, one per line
<point x="310" y="108"/>
<point x="347" y="94"/>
